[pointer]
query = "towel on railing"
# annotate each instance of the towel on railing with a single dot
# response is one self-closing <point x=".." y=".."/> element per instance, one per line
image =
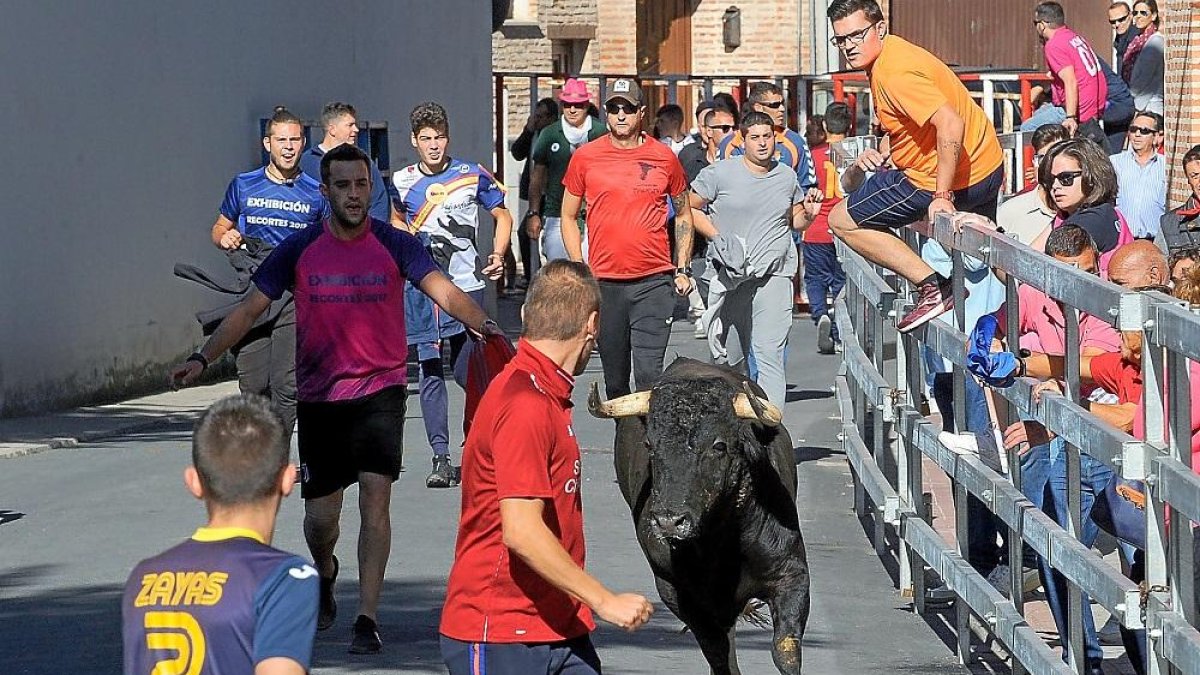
<point x="996" y="369"/>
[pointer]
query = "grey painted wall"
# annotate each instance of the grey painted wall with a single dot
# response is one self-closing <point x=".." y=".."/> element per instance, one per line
<point x="124" y="121"/>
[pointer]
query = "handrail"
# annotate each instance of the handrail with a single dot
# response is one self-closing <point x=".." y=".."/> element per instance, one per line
<point x="1171" y="335"/>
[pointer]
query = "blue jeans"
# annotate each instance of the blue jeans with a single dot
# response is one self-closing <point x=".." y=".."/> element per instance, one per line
<point x="823" y="277"/>
<point x="576" y="656"/>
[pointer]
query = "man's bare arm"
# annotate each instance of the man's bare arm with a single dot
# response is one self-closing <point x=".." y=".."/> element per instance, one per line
<point x="230" y="331"/>
<point x="950" y="129"/>
<point x="572" y="237"/>
<point x="225" y="234"/>
<point x="537" y="187"/>
<point x="684" y="229"/>
<point x="278" y="665"/>
<point x="451" y="298"/>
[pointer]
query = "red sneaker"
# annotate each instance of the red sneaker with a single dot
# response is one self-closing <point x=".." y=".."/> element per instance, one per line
<point x="933" y="300"/>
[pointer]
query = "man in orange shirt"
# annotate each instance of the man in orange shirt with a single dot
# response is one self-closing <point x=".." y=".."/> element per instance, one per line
<point x="944" y="147"/>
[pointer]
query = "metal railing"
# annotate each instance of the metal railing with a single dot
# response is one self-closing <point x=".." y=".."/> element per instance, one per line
<point x="878" y="394"/>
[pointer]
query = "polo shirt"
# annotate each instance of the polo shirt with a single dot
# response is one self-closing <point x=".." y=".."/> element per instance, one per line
<point x="1041" y="317"/>
<point x="1067" y="48"/>
<point x="1117" y="376"/>
<point x="908" y="85"/>
<point x="350" y="333"/>
<point x="626" y="191"/>
<point x="521" y="445"/>
<point x="1141" y="192"/>
<point x="223" y="600"/>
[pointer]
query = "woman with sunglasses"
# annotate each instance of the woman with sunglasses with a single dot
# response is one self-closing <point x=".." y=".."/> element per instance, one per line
<point x="1144" y="60"/>
<point x="1082" y="185"/>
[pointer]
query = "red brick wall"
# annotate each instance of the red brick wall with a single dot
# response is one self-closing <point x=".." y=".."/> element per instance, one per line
<point x="1181" y="25"/>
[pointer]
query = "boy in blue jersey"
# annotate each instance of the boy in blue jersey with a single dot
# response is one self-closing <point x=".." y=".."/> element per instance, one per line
<point x="440" y="197"/>
<point x="340" y="121"/>
<point x="225" y="601"/>
<point x="269" y="204"/>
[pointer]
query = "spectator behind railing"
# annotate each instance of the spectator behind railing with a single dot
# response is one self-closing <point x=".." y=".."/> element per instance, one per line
<point x="1181" y="262"/>
<point x="1180" y="227"/>
<point x="1142" y="176"/>
<point x="1026" y="215"/>
<point x="1144" y="61"/>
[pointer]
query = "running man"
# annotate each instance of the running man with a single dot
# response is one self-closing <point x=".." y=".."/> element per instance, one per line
<point x="519" y="600"/>
<point x="340" y="121"/>
<point x="268" y="205"/>
<point x="440" y="197"/>
<point x="347" y="274"/>
<point x="225" y="601"/>
<point x="945" y="148"/>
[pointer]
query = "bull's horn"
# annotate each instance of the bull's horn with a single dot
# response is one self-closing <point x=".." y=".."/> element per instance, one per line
<point x="625" y="406"/>
<point x="749" y="406"/>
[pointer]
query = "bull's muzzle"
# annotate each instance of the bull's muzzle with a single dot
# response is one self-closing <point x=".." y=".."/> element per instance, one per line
<point x="746" y="405"/>
<point x="672" y="525"/>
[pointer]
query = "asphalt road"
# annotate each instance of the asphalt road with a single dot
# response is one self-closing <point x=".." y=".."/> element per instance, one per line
<point x="74" y="521"/>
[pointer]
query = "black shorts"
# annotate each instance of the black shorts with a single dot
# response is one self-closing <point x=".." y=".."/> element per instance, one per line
<point x="889" y="200"/>
<point x="339" y="439"/>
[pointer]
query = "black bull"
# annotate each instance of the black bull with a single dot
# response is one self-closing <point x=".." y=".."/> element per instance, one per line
<point x="713" y="499"/>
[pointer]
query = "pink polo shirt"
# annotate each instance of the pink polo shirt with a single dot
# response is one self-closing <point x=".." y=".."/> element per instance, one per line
<point x="1043" y="322"/>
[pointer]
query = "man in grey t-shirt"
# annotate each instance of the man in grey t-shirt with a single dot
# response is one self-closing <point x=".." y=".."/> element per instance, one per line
<point x="754" y="201"/>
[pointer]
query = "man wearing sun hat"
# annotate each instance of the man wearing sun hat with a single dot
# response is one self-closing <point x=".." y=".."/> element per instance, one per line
<point x="626" y="179"/>
<point x="551" y="154"/>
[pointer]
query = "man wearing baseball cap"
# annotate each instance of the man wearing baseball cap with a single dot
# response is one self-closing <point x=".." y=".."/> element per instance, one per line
<point x="626" y="180"/>
<point x="551" y="154"/>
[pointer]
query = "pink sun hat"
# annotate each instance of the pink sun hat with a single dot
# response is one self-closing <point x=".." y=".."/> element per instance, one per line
<point x="574" y="91"/>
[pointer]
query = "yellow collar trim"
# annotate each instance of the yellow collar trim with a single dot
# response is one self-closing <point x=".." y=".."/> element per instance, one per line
<point x="223" y="533"/>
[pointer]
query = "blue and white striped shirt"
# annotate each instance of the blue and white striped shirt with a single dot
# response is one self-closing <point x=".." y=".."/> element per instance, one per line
<point x="1141" y="192"/>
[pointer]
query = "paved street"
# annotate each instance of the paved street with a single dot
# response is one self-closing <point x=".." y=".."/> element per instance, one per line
<point x="74" y="520"/>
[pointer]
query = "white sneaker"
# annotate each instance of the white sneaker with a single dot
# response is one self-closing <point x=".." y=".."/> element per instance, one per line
<point x="960" y="444"/>
<point x="699" y="333"/>
<point x="825" y="335"/>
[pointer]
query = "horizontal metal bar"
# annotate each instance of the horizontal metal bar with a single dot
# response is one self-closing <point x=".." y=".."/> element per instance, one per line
<point x="1104" y="583"/>
<point x="1176" y="328"/>
<point x="1180" y="642"/>
<point x="869" y="473"/>
<point x="1178" y="485"/>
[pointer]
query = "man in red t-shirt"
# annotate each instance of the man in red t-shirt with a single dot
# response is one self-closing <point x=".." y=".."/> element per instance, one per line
<point x="518" y="600"/>
<point x="823" y="273"/>
<point x="627" y="178"/>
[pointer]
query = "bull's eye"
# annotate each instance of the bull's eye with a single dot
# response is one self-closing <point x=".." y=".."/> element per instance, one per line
<point x="646" y="443"/>
<point x="720" y="446"/>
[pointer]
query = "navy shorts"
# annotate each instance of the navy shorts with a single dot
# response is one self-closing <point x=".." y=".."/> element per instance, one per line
<point x="888" y="200"/>
<point x="576" y="656"/>
<point x="339" y="439"/>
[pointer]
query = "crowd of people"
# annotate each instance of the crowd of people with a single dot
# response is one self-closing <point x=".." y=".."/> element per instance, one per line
<point x="346" y="274"/>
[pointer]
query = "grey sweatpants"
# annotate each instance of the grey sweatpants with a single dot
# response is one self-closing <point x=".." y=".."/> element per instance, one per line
<point x="756" y="315"/>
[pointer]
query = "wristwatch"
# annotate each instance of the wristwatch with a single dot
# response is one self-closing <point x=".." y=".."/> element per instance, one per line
<point x="948" y="195"/>
<point x="199" y="358"/>
<point x="685" y="271"/>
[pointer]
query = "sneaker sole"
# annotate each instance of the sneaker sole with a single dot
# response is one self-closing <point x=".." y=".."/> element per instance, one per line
<point x="374" y="649"/>
<point x="825" y="335"/>
<point x="946" y="306"/>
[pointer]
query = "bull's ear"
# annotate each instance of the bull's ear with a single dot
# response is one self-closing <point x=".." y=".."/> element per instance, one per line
<point x="753" y="447"/>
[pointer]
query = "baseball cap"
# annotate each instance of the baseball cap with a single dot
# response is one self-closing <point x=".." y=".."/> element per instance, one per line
<point x="574" y="91"/>
<point x="624" y="88"/>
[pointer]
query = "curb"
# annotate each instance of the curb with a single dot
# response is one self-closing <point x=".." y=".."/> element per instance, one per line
<point x="24" y="449"/>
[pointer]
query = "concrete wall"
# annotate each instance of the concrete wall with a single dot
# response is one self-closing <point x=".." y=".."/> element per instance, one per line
<point x="123" y="123"/>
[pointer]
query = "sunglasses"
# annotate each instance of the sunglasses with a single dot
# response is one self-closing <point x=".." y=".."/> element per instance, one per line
<point x="1141" y="12"/>
<point x="615" y="108"/>
<point x="1144" y="131"/>
<point x="772" y="104"/>
<point x="1066" y="178"/>
<point x="855" y="38"/>
<point x="580" y="104"/>
<point x="1113" y="22"/>
<point x="724" y="128"/>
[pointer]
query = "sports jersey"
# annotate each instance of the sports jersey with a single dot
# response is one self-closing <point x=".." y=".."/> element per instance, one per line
<point x="381" y="203"/>
<point x="446" y="209"/>
<point x="830" y="184"/>
<point x="554" y="151"/>
<point x="272" y="211"/>
<point x="1065" y="49"/>
<point x="218" y="604"/>
<point x="790" y="150"/>
<point x="626" y="191"/>
<point x="521" y="445"/>
<point x="909" y="85"/>
<point x="350" y="335"/>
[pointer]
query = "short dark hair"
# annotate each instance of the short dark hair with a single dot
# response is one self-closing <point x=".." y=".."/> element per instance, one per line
<point x="239" y="449"/>
<point x="281" y="115"/>
<point x="840" y="9"/>
<point x="1069" y="241"/>
<point x="1158" y="119"/>
<point x="1119" y="4"/>
<point x="760" y="88"/>
<point x="560" y="299"/>
<point x="1190" y="156"/>
<point x="1051" y="13"/>
<point x="752" y="119"/>
<point x="726" y="99"/>
<point x="1048" y="134"/>
<point x="1099" y="178"/>
<point x="838" y="118"/>
<point x="343" y="153"/>
<point x="334" y="111"/>
<point x="814" y="131"/>
<point x="670" y="115"/>
<point x="429" y="115"/>
<point x="706" y="104"/>
<point x="719" y="105"/>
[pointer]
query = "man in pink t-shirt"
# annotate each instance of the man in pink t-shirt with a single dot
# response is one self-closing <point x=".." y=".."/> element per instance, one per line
<point x="1078" y="84"/>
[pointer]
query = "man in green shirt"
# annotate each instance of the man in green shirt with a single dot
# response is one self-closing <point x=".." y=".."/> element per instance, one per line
<point x="551" y="155"/>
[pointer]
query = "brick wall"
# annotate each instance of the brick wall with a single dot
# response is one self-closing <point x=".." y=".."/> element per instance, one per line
<point x="616" y="36"/>
<point x="1181" y="24"/>
<point x="771" y="39"/>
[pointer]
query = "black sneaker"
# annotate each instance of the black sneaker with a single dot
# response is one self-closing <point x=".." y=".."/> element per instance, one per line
<point x="825" y="335"/>
<point x="327" y="613"/>
<point x="444" y="474"/>
<point x="933" y="300"/>
<point x="366" y="636"/>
